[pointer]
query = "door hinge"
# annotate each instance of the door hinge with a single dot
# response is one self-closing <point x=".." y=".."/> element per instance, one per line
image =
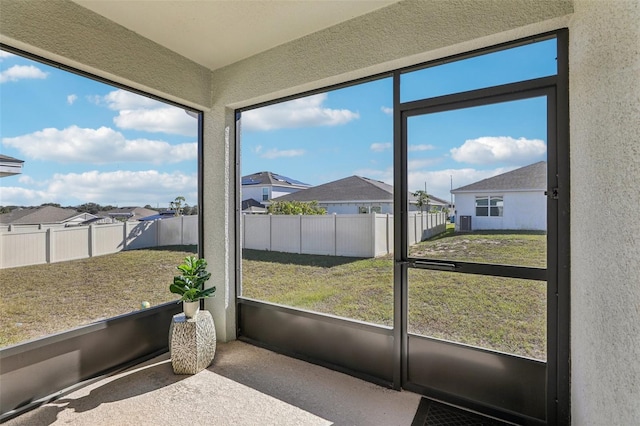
<point x="553" y="195"/>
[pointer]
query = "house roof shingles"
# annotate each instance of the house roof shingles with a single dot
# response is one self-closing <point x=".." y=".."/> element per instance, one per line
<point x="531" y="177"/>
<point x="269" y="178"/>
<point x="352" y="188"/>
<point x="132" y="213"/>
<point x="37" y="215"/>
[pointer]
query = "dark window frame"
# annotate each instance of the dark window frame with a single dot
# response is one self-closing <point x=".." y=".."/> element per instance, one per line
<point x="556" y="90"/>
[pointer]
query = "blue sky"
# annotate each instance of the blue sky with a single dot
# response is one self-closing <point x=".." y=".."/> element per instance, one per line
<point x="84" y="141"/>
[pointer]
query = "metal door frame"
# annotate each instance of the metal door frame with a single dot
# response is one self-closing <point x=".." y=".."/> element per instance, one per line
<point x="554" y="398"/>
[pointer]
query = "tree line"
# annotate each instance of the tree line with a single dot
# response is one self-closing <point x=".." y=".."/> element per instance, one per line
<point x="179" y="206"/>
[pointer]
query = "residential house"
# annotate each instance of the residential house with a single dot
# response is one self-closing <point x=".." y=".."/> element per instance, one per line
<point x="128" y="214"/>
<point x="10" y="166"/>
<point x="513" y="200"/>
<point x="264" y="186"/>
<point x="44" y="216"/>
<point x="251" y="206"/>
<point x="356" y="195"/>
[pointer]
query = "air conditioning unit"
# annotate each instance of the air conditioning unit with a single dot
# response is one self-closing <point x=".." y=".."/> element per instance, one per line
<point x="465" y="223"/>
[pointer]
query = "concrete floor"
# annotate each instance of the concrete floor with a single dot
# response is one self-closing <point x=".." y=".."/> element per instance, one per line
<point x="245" y="385"/>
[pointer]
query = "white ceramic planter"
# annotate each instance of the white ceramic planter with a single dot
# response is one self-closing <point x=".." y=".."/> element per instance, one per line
<point x="191" y="308"/>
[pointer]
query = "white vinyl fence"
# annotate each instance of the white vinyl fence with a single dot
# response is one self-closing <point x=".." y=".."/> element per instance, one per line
<point x="24" y="245"/>
<point x="356" y="235"/>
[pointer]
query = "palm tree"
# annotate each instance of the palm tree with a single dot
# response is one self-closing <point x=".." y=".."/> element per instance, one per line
<point x="176" y="205"/>
<point x="422" y="199"/>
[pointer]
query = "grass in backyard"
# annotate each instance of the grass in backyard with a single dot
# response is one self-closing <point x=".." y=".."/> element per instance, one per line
<point x="497" y="247"/>
<point x="44" y="299"/>
<point x="340" y="286"/>
<point x="504" y="314"/>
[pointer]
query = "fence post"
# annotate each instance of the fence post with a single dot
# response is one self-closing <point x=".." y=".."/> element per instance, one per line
<point x="335" y="234"/>
<point x="373" y="233"/>
<point x="270" y="231"/>
<point x="182" y="230"/>
<point x="50" y="246"/>
<point x="387" y="230"/>
<point x="92" y="241"/>
<point x="124" y="235"/>
<point x="300" y="235"/>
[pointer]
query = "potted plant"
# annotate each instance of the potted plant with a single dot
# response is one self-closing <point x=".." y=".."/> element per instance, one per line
<point x="190" y="284"/>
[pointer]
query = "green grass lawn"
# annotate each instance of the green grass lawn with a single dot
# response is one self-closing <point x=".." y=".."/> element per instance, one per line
<point x="44" y="299"/>
<point x="499" y="313"/>
<point x="504" y="314"/>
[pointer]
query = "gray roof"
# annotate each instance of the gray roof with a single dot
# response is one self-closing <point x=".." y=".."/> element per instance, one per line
<point x="251" y="202"/>
<point x="132" y="213"/>
<point x="273" y="179"/>
<point x="533" y="176"/>
<point x="353" y="188"/>
<point x="7" y="159"/>
<point x="38" y="215"/>
<point x="433" y="200"/>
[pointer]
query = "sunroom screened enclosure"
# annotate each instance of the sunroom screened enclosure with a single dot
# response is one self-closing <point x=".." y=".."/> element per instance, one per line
<point x="569" y="285"/>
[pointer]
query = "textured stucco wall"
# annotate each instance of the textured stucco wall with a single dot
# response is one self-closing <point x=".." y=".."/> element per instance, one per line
<point x="65" y="32"/>
<point x="402" y="34"/>
<point x="605" y="225"/>
<point x="219" y="216"/>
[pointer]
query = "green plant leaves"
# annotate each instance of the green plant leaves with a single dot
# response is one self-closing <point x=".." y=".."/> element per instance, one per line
<point x="190" y="283"/>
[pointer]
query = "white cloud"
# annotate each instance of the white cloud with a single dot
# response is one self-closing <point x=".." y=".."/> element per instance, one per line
<point x="276" y="153"/>
<point x="166" y="120"/>
<point x="123" y="100"/>
<point x="4" y="55"/>
<point x="381" y="146"/>
<point x="21" y="72"/>
<point x="120" y="187"/>
<point x="17" y="196"/>
<point x="71" y="99"/>
<point x="387" y="110"/>
<point x="304" y="112"/>
<point x="26" y="180"/>
<point x="420" y="163"/>
<point x="137" y="112"/>
<point x="439" y="181"/>
<point x="494" y="149"/>
<point x="97" y="146"/>
<point x="421" y="147"/>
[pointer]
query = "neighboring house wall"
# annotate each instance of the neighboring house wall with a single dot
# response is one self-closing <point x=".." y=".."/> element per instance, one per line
<point x="521" y="211"/>
<point x="77" y="220"/>
<point x="256" y="192"/>
<point x="358" y="207"/>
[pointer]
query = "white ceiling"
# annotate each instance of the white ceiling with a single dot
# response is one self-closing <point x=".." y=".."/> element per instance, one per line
<point x="216" y="33"/>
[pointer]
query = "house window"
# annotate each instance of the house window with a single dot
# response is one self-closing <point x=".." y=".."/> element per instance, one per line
<point x="265" y="194"/>
<point x="496" y="205"/>
<point x="489" y="206"/>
